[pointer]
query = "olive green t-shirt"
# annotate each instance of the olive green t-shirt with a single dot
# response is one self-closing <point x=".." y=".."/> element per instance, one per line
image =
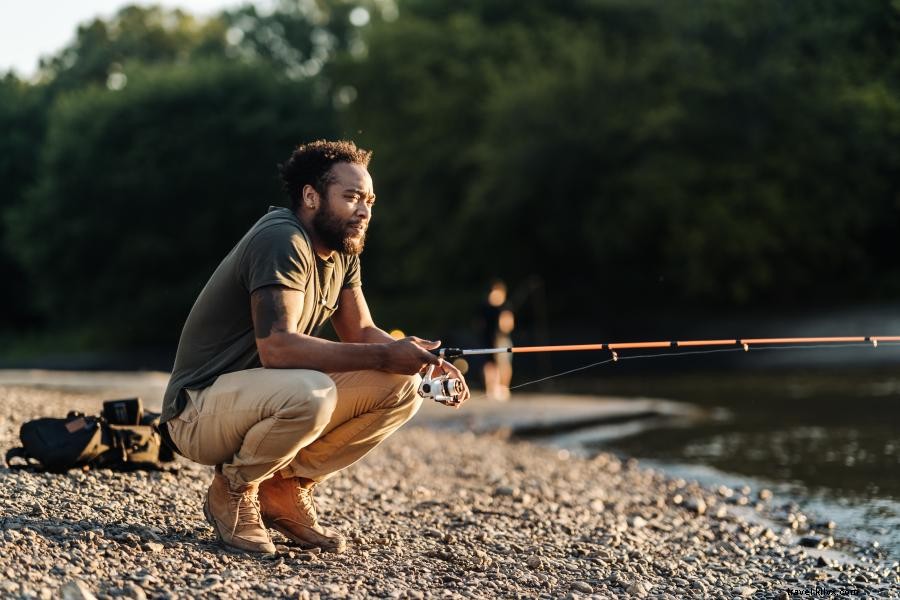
<point x="218" y="336"/>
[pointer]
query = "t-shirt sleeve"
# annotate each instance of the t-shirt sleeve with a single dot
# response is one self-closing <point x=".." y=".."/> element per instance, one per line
<point x="276" y="255"/>
<point x="353" y="276"/>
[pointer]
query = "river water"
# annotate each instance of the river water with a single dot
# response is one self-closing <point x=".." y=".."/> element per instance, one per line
<point x="828" y="439"/>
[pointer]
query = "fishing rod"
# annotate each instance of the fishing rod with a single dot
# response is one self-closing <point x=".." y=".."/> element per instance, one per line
<point x="745" y="343"/>
<point x="446" y="390"/>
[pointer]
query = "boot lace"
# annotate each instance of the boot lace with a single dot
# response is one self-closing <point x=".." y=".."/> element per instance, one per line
<point x="248" y="509"/>
<point x="305" y="502"/>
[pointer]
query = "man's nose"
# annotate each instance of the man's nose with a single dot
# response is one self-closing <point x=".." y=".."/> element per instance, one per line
<point x="363" y="211"/>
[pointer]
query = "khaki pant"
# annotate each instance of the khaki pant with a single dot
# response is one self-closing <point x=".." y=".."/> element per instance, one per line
<point x="309" y="424"/>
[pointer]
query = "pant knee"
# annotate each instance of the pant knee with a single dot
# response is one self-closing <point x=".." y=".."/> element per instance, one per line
<point x="311" y="395"/>
<point x="405" y="396"/>
<point x="412" y="405"/>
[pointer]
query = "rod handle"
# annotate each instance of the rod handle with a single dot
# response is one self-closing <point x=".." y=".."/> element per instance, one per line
<point x="447" y="352"/>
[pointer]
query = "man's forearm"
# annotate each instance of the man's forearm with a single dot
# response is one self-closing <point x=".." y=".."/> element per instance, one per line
<point x="297" y="351"/>
<point x="374" y="335"/>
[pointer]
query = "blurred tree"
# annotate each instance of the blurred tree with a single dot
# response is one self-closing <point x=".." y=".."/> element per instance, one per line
<point x="717" y="153"/>
<point x="22" y="118"/>
<point x="299" y="37"/>
<point x="135" y="34"/>
<point x="420" y="111"/>
<point x="143" y="190"/>
<point x="735" y="153"/>
<point x="96" y="57"/>
<point x="163" y="141"/>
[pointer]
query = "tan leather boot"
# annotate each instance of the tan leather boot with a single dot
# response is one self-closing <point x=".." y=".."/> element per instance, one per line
<point x="287" y="506"/>
<point x="233" y="512"/>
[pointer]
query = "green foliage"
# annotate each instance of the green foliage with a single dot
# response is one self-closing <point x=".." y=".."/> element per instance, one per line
<point x="299" y="38"/>
<point x="22" y="123"/>
<point x="135" y="34"/>
<point x="144" y="190"/>
<point x="725" y="153"/>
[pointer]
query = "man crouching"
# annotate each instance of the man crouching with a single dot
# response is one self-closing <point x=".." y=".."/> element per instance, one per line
<point x="254" y="392"/>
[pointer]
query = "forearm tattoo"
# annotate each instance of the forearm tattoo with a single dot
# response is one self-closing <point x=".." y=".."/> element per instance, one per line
<point x="269" y="312"/>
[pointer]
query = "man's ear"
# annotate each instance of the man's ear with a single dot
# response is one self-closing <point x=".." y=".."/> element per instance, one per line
<point x="309" y="197"/>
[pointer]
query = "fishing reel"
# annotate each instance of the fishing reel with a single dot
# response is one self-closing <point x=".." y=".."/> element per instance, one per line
<point x="443" y="388"/>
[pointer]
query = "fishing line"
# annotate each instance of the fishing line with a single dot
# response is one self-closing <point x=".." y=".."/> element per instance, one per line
<point x="618" y="358"/>
<point x="569" y="372"/>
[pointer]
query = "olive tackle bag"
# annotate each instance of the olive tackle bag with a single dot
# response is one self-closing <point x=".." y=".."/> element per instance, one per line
<point x="124" y="437"/>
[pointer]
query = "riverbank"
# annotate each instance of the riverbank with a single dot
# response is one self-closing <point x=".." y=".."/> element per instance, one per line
<point x="434" y="511"/>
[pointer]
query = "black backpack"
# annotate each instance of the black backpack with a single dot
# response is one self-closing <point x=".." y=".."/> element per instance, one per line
<point x="124" y="437"/>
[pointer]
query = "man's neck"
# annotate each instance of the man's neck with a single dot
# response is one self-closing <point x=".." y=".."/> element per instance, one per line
<point x="306" y="219"/>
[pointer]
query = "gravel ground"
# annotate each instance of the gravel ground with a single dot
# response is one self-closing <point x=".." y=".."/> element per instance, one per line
<point x="428" y="514"/>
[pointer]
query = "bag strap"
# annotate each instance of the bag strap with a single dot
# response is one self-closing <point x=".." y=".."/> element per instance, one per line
<point x="17" y="453"/>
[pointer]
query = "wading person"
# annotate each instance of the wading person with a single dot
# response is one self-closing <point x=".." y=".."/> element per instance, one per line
<point x="255" y="393"/>
<point x="497" y="322"/>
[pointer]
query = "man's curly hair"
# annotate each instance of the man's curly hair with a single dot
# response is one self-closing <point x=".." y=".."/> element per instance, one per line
<point x="310" y="164"/>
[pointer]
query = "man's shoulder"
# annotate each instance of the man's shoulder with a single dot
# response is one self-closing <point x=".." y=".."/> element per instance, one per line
<point x="279" y="227"/>
<point x="277" y="216"/>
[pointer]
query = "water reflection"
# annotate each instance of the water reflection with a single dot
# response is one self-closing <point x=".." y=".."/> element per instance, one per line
<point x="832" y="438"/>
<point x="843" y="459"/>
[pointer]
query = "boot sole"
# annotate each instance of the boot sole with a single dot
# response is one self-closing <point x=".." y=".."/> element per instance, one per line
<point x="338" y="549"/>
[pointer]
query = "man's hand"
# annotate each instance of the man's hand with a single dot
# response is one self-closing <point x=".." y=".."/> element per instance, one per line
<point x="410" y="355"/>
<point x="454" y="373"/>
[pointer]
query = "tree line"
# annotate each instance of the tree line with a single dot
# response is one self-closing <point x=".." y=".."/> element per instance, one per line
<point x="729" y="155"/>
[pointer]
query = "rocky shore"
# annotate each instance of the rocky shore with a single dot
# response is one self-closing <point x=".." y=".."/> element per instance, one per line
<point x="431" y="513"/>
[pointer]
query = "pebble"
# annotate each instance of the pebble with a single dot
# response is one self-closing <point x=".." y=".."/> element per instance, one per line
<point x="816" y="541"/>
<point x="135" y="592"/>
<point x="77" y="590"/>
<point x="638" y="589"/>
<point x="696" y="504"/>
<point x="637" y="522"/>
<point x="505" y="490"/>
<point x="583" y="587"/>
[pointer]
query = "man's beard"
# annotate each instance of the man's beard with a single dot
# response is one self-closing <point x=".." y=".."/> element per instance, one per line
<point x="336" y="234"/>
